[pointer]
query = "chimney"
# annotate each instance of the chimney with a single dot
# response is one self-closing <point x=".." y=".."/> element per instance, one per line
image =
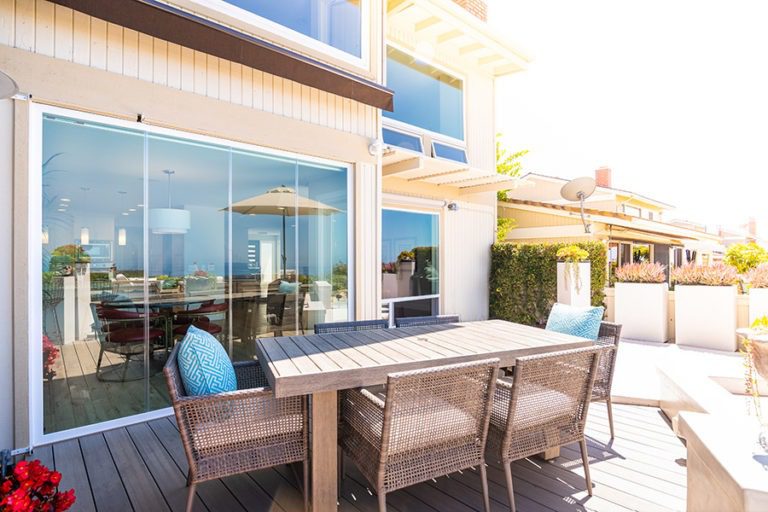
<point x="752" y="228"/>
<point x="476" y="7"/>
<point x="603" y="177"/>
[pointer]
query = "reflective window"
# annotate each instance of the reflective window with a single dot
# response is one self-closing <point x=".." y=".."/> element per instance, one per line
<point x="448" y="152"/>
<point x="402" y="140"/>
<point x="425" y="96"/>
<point x="336" y="23"/>
<point x="146" y="234"/>
<point x="410" y="262"/>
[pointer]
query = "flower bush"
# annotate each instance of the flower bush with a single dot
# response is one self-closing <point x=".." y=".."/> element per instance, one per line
<point x="745" y="257"/>
<point x="50" y="353"/>
<point x="718" y="274"/>
<point x="758" y="276"/>
<point x="641" y="273"/>
<point x="32" y="487"/>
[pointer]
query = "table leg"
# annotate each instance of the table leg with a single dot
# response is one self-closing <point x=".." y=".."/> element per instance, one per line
<point x="324" y="454"/>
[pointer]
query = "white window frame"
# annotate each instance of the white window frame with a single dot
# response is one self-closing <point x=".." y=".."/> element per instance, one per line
<point x="34" y="253"/>
<point x="229" y="15"/>
<point x="408" y="131"/>
<point x="427" y="207"/>
<point x="400" y="125"/>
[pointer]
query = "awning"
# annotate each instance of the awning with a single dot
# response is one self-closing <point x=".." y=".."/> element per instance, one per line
<point x="454" y="34"/>
<point x="180" y="27"/>
<point x="415" y="167"/>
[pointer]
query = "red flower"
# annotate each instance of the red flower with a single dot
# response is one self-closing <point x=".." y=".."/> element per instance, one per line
<point x="55" y="478"/>
<point x="32" y="487"/>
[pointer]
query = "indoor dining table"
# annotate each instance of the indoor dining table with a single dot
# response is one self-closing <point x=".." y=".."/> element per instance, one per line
<point x="320" y="365"/>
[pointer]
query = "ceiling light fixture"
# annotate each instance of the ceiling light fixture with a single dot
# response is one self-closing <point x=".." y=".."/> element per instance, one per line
<point x="169" y="221"/>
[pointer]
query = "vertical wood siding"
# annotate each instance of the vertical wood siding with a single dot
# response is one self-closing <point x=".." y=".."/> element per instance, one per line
<point x="42" y="27"/>
<point x="469" y="233"/>
<point x="368" y="242"/>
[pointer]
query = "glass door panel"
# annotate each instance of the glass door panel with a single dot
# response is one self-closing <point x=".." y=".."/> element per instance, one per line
<point x="92" y="273"/>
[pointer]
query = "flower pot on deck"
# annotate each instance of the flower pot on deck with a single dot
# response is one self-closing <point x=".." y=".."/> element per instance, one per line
<point x="573" y="283"/>
<point x="642" y="309"/>
<point x="705" y="316"/>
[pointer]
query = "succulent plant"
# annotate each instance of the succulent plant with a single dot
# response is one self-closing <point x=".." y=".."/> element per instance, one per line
<point x="758" y="276"/>
<point x="641" y="273"/>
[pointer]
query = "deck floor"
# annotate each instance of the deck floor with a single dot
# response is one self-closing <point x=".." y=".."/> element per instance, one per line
<point x="143" y="468"/>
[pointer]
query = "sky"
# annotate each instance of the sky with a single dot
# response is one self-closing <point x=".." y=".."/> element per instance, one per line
<point x="670" y="94"/>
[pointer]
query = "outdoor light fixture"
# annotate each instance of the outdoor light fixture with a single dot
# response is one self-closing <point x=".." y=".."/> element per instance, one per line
<point x="8" y="88"/>
<point x="169" y="221"/>
<point x="579" y="189"/>
<point x="453" y="206"/>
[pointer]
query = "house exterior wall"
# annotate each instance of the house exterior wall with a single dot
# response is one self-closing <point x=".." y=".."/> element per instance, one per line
<point x="6" y="269"/>
<point x="44" y="28"/>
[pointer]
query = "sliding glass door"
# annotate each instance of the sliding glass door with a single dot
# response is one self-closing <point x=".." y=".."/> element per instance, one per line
<point x="410" y="263"/>
<point x="146" y="232"/>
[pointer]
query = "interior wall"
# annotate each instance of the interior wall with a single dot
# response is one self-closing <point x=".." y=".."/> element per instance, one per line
<point x="6" y="273"/>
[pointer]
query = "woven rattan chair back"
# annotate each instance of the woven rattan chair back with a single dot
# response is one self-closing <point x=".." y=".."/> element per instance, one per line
<point x="411" y="321"/>
<point x="435" y="422"/>
<point x="360" y="325"/>
<point x="608" y="337"/>
<point x="548" y="403"/>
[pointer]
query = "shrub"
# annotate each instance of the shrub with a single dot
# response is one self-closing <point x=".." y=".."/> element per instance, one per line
<point x="32" y="487"/>
<point x="641" y="273"/>
<point x="758" y="276"/>
<point x="745" y="257"/>
<point x="718" y="274"/>
<point x="523" y="280"/>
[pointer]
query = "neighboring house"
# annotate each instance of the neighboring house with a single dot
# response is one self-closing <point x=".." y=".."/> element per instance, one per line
<point x="259" y="160"/>
<point x="632" y="225"/>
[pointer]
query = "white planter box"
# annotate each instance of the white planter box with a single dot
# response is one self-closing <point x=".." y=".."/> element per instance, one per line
<point x="568" y="292"/>
<point x="643" y="311"/>
<point x="758" y="303"/>
<point x="705" y="316"/>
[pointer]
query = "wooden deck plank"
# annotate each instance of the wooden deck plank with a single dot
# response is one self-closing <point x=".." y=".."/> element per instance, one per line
<point x="141" y="487"/>
<point x="106" y="483"/>
<point x="69" y="462"/>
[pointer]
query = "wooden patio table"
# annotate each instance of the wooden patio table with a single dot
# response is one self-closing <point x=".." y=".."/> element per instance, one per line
<point x="322" y="364"/>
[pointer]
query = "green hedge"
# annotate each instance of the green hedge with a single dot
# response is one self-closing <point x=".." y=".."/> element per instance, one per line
<point x="523" y="282"/>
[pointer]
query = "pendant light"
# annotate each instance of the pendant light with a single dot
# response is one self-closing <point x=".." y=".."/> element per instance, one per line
<point x="169" y="221"/>
<point x="85" y="233"/>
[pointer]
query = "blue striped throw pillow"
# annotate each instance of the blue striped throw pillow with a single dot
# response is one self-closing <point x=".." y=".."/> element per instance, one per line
<point x="204" y="365"/>
<point x="575" y="320"/>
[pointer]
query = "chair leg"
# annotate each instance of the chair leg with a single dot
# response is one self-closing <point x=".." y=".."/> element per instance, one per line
<point x="305" y="467"/>
<point x="610" y="416"/>
<point x="510" y="490"/>
<point x="484" y="478"/>
<point x="585" y="461"/>
<point x="191" y="497"/>
<point x="382" y="501"/>
<point x="101" y="355"/>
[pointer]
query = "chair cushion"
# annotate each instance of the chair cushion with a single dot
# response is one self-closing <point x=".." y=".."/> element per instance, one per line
<point x="204" y="365"/>
<point x="577" y="321"/>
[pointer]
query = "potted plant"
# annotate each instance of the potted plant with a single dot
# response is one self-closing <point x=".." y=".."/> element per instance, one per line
<point x="757" y="279"/>
<point x="641" y="303"/>
<point x="406" y="265"/>
<point x="705" y="306"/>
<point x="573" y="276"/>
<point x="32" y="487"/>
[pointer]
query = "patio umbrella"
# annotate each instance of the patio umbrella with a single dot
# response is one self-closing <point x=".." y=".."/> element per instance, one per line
<point x="285" y="202"/>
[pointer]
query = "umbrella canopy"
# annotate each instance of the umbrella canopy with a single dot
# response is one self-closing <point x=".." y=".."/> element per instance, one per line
<point x="285" y="202"/>
<point x="282" y="201"/>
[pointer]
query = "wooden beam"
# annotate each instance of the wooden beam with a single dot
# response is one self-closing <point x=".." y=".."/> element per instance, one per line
<point x="488" y="187"/>
<point x="426" y="23"/>
<point x="410" y="164"/>
<point x="490" y="58"/>
<point x="464" y="50"/>
<point x="447" y="36"/>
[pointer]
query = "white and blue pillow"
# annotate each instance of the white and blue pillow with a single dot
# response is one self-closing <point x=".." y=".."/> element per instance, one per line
<point x="204" y="365"/>
<point x="576" y="321"/>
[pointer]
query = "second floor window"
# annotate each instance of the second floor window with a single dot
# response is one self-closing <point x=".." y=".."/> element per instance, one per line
<point x="425" y="97"/>
<point x="337" y="23"/>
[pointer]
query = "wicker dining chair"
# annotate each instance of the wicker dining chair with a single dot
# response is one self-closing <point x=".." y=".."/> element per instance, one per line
<point x="545" y="406"/>
<point x="359" y="325"/>
<point x="245" y="430"/>
<point x="608" y="337"/>
<point x="432" y="423"/>
<point x="411" y="321"/>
